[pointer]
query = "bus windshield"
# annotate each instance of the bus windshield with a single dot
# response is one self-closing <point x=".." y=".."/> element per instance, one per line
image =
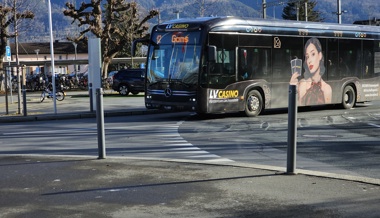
<point x="174" y="56"/>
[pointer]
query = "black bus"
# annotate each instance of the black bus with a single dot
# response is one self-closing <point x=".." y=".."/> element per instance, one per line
<point x="232" y="64"/>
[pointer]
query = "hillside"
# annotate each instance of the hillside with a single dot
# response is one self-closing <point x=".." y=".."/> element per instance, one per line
<point x="38" y="31"/>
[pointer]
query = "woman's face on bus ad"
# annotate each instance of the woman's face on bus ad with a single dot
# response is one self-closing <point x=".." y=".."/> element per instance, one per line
<point x="313" y="58"/>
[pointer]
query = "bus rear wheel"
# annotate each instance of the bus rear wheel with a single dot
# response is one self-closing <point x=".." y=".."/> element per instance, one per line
<point x="253" y="103"/>
<point x="348" y="98"/>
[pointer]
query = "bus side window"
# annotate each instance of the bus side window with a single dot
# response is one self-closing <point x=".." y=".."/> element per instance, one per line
<point x="222" y="71"/>
<point x="349" y="57"/>
<point x="243" y="73"/>
<point x="332" y="58"/>
<point x="291" y="48"/>
<point x="376" y="62"/>
<point x="368" y="60"/>
<point x="253" y="63"/>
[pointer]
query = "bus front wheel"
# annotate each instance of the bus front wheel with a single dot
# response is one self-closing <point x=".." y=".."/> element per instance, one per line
<point x="253" y="103"/>
<point x="348" y="98"/>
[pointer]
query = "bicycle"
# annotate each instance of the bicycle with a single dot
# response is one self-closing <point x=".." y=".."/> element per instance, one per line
<point x="47" y="93"/>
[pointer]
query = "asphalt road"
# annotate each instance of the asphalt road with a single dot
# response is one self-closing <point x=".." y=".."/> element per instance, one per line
<point x="329" y="140"/>
<point x="69" y="185"/>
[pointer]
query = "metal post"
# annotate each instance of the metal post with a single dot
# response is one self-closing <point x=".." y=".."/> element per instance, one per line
<point x="6" y="92"/>
<point x="17" y="60"/>
<point x="264" y="6"/>
<point x="18" y="90"/>
<point x="91" y="99"/>
<point x="306" y="15"/>
<point x="75" y="63"/>
<point x="100" y="123"/>
<point x="52" y="58"/>
<point x="24" y="92"/>
<point x="292" y="130"/>
<point x="339" y="12"/>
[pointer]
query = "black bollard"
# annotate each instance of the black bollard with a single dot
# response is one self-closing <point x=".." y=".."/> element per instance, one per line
<point x="292" y="130"/>
<point x="100" y="123"/>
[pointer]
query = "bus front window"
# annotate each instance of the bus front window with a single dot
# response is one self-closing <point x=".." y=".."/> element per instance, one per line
<point x="174" y="61"/>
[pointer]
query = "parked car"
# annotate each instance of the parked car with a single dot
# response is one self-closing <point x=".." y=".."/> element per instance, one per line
<point x="129" y="80"/>
<point x="110" y="77"/>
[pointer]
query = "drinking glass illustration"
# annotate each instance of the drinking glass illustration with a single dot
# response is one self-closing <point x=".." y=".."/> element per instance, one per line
<point x="296" y="65"/>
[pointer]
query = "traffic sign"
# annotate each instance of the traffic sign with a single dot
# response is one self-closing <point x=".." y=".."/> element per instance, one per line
<point x="8" y="53"/>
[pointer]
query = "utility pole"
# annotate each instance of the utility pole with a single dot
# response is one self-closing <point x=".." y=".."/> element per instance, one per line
<point x="17" y="60"/>
<point x="264" y="5"/>
<point x="306" y="15"/>
<point x="339" y="13"/>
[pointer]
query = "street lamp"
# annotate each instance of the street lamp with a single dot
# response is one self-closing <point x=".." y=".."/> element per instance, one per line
<point x="75" y="62"/>
<point x="52" y="57"/>
<point x="340" y="12"/>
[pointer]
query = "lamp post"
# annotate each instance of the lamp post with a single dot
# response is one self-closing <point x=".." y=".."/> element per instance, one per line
<point x="264" y="8"/>
<point x="266" y="5"/>
<point x="75" y="62"/>
<point x="340" y="12"/>
<point x="52" y="58"/>
<point x="17" y="60"/>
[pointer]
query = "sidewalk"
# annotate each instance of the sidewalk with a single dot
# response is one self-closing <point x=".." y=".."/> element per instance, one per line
<point x="84" y="186"/>
<point x="75" y="105"/>
<point x="62" y="186"/>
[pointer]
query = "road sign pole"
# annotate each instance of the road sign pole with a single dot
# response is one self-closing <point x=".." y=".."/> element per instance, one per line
<point x="6" y="92"/>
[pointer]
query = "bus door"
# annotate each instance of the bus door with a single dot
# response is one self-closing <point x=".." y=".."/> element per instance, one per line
<point x="221" y="81"/>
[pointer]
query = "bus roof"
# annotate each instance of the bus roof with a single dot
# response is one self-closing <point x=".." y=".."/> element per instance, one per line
<point x="212" y="23"/>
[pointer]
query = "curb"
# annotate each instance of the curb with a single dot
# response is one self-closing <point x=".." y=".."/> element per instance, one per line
<point x="80" y="115"/>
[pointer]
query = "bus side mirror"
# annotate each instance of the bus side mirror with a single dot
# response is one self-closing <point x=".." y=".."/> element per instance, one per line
<point x="211" y="53"/>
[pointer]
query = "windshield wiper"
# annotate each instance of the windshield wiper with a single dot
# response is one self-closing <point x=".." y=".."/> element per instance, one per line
<point x="157" y="82"/>
<point x="179" y="81"/>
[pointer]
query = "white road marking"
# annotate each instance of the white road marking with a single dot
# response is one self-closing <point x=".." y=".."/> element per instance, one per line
<point x="375" y="125"/>
<point x="168" y="134"/>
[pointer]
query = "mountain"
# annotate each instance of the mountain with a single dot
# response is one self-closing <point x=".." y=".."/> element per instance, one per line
<point x="39" y="27"/>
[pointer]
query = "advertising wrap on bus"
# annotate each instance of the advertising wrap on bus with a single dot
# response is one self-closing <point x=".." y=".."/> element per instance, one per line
<point x="223" y="96"/>
<point x="232" y="64"/>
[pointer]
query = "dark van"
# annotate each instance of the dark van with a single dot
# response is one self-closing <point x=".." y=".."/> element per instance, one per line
<point x="129" y="80"/>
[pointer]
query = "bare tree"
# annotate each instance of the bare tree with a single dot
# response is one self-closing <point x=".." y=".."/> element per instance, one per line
<point x="9" y="15"/>
<point x="119" y="26"/>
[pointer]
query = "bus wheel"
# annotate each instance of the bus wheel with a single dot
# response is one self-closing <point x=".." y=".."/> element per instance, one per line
<point x="253" y="103"/>
<point x="348" y="98"/>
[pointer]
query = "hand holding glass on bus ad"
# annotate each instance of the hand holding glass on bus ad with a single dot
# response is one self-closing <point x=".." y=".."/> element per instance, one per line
<point x="296" y="66"/>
